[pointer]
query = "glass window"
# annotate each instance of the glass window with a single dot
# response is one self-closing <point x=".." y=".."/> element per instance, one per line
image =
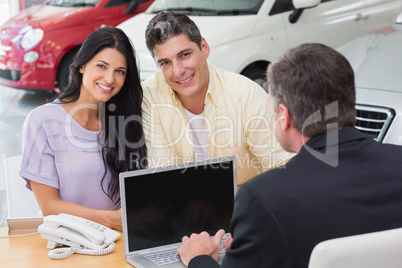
<point x="281" y="6"/>
<point x="73" y="3"/>
<point x="116" y="3"/>
<point x="208" y="7"/>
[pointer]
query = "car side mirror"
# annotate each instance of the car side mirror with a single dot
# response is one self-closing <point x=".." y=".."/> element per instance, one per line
<point x="399" y="19"/>
<point x="300" y="4"/>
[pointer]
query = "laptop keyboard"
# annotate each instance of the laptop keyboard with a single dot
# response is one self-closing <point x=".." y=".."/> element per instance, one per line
<point x="164" y="257"/>
<point x="171" y="256"/>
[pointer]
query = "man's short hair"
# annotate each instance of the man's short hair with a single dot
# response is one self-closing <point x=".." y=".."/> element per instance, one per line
<point x="169" y="24"/>
<point x="309" y="78"/>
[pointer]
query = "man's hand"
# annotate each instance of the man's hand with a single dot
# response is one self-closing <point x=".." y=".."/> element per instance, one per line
<point x="200" y="244"/>
<point x="228" y="242"/>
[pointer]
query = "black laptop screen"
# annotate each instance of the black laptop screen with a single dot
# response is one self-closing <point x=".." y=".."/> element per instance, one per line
<point x="162" y="207"/>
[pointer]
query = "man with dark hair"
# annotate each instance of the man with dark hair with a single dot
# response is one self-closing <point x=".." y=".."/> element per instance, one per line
<point x="340" y="183"/>
<point x="195" y="111"/>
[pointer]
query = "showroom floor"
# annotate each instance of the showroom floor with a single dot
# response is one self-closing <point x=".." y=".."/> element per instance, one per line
<point x="4" y="14"/>
<point x="15" y="104"/>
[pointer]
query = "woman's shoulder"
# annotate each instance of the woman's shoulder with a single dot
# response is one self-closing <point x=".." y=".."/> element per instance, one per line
<point x="51" y="110"/>
<point x="45" y="114"/>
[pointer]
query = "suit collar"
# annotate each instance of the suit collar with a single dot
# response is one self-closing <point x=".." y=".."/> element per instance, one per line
<point x="346" y="134"/>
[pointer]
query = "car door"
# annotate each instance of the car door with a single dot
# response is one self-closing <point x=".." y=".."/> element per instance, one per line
<point x="121" y="5"/>
<point x="106" y="12"/>
<point x="381" y="13"/>
<point x="112" y="12"/>
<point x="332" y="22"/>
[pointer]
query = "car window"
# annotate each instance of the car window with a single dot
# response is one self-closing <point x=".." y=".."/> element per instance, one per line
<point x="208" y="7"/>
<point x="116" y="3"/>
<point x="72" y="3"/>
<point x="281" y="6"/>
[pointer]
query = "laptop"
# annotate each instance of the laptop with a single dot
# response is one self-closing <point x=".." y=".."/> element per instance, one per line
<point x="161" y="205"/>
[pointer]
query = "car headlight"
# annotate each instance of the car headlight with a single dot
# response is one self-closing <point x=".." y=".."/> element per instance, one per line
<point x="31" y="38"/>
<point x="31" y="56"/>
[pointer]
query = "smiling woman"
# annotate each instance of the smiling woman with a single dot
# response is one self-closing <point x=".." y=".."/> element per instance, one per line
<point x="102" y="77"/>
<point x="75" y="147"/>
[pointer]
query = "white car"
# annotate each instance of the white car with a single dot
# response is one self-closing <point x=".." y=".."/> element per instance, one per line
<point x="377" y="61"/>
<point x="246" y="35"/>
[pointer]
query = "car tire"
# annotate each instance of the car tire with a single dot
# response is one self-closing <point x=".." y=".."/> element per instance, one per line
<point x="257" y="75"/>
<point x="63" y="70"/>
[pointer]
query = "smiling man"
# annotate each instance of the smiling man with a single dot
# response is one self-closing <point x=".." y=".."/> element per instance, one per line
<point x="195" y="111"/>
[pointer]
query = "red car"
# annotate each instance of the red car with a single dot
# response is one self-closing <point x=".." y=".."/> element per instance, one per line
<point x="38" y="44"/>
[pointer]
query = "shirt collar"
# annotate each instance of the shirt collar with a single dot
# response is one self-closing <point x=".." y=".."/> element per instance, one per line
<point x="174" y="97"/>
<point x="214" y="86"/>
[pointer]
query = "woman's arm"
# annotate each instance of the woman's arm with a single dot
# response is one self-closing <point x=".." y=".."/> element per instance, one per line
<point x="50" y="203"/>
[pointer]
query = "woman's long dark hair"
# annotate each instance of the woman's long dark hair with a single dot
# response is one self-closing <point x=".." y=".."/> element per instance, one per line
<point x="122" y="137"/>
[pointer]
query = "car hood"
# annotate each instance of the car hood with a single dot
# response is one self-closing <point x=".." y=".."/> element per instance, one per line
<point x="45" y="17"/>
<point x="377" y="59"/>
<point x="224" y="31"/>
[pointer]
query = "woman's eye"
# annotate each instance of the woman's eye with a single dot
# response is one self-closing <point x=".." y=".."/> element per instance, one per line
<point x="121" y="72"/>
<point x="101" y="66"/>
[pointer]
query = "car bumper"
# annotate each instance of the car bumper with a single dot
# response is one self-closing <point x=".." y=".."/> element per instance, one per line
<point x="15" y="72"/>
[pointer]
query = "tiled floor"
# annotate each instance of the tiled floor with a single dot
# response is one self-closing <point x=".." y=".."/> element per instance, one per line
<point x="4" y="14"/>
<point x="15" y="104"/>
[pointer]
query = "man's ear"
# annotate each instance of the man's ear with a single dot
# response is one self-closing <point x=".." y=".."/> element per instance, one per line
<point x="286" y="120"/>
<point x="205" y="47"/>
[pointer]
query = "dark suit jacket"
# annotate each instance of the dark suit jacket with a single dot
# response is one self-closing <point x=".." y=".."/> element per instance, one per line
<point x="280" y="215"/>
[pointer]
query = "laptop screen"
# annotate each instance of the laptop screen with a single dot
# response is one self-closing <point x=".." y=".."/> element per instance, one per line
<point x="162" y="205"/>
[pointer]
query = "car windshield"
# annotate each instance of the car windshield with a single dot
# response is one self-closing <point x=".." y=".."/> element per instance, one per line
<point x="73" y="3"/>
<point x="207" y="7"/>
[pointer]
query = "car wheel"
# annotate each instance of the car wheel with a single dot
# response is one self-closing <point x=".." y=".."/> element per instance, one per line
<point x="257" y="75"/>
<point x="63" y="76"/>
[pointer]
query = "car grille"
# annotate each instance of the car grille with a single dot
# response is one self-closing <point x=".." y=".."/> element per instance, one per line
<point x="4" y="49"/>
<point x="373" y="121"/>
<point x="10" y="75"/>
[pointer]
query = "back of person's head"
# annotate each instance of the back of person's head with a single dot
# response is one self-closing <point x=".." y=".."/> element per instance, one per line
<point x="169" y="24"/>
<point x="105" y="37"/>
<point x="309" y="78"/>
